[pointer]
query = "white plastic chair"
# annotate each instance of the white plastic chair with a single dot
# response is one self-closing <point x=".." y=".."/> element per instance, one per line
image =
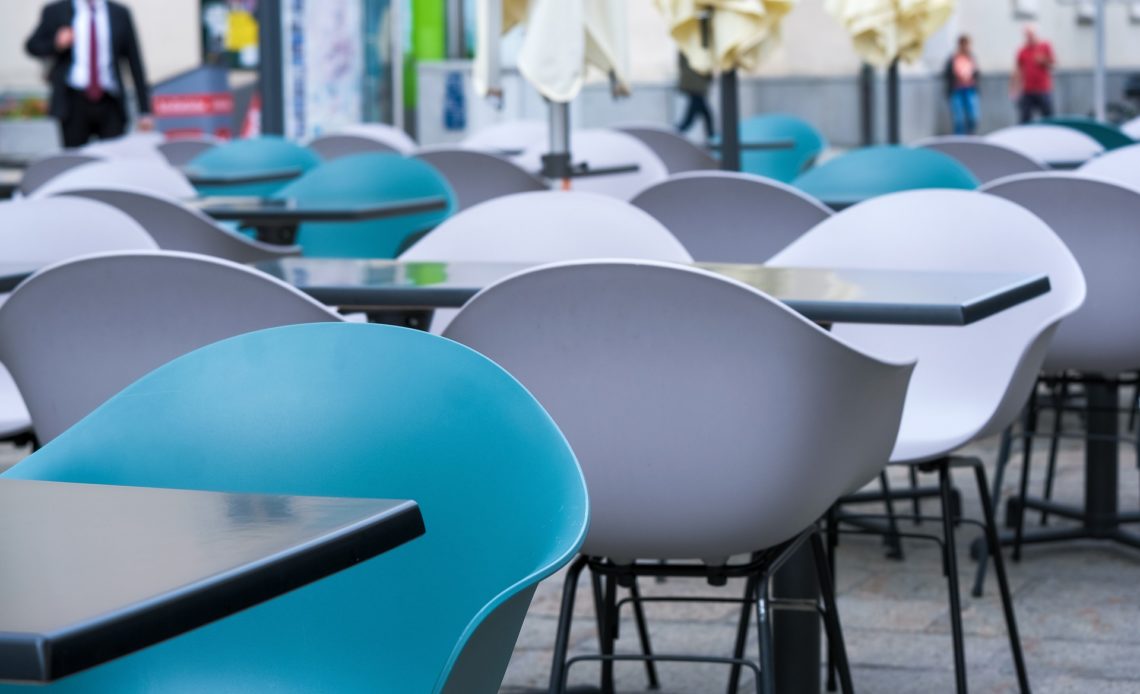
<point x="152" y="176"/>
<point x="41" y="232"/>
<point x="389" y="135"/>
<point x="1120" y="165"/>
<point x="511" y="137"/>
<point x="971" y="381"/>
<point x="176" y="227"/>
<point x="137" y="145"/>
<point x="1132" y="128"/>
<point x="479" y="176"/>
<point x="1051" y="144"/>
<point x="339" y="145"/>
<point x="545" y="227"/>
<point x="987" y="160"/>
<point x="730" y="217"/>
<point x="78" y="332"/>
<point x="684" y="395"/>
<point x="43" y="170"/>
<point x="182" y="151"/>
<point x="677" y="153"/>
<point x="600" y="149"/>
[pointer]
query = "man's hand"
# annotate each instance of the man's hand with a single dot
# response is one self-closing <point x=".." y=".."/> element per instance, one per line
<point x="64" y="38"/>
<point x="145" y="123"/>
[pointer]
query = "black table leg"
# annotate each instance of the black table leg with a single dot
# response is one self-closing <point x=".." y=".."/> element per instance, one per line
<point x="796" y="642"/>
<point x="1101" y="459"/>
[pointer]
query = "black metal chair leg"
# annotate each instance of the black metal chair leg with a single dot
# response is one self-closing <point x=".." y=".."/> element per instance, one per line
<point x="1004" y="452"/>
<point x="892" y="538"/>
<point x="643" y="635"/>
<point x="1023" y="490"/>
<point x="1054" y="444"/>
<point x="835" y="646"/>
<point x="764" y="632"/>
<point x="1003" y="581"/>
<point x="916" y="501"/>
<point x="742" y="633"/>
<point x="832" y="530"/>
<point x="607" y="633"/>
<point x="565" y="617"/>
<point x="951" y="563"/>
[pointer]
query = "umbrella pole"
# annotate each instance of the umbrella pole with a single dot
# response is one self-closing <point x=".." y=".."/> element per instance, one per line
<point x="893" y="135"/>
<point x="867" y="104"/>
<point x="556" y="162"/>
<point x="730" y="121"/>
<point x="1099" y="89"/>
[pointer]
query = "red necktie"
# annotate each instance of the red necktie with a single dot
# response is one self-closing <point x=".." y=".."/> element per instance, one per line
<point x="94" y="88"/>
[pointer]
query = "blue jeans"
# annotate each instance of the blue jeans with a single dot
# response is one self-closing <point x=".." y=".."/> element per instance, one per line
<point x="964" y="110"/>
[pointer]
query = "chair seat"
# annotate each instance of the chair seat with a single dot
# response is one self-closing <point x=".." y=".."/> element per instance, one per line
<point x="927" y="432"/>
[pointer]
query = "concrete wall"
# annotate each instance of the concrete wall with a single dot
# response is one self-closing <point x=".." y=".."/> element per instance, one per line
<point x="168" y="31"/>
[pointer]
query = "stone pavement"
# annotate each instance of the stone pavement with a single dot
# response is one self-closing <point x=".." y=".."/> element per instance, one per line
<point x="1078" y="606"/>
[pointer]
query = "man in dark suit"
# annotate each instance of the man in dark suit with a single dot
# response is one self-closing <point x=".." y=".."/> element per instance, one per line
<point x="84" y="42"/>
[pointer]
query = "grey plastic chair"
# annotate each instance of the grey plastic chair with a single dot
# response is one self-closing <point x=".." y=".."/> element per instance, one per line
<point x="479" y="176"/>
<point x="729" y="217"/>
<point x="148" y="175"/>
<point x="988" y="161"/>
<point x="44" y="231"/>
<point x="677" y="153"/>
<point x="181" y="152"/>
<point x="389" y="135"/>
<point x="971" y="381"/>
<point x="176" y="227"/>
<point x="331" y="147"/>
<point x="43" y="170"/>
<point x="133" y="145"/>
<point x="1052" y="144"/>
<point x="78" y="332"/>
<point x="1120" y="165"/>
<point x="698" y="442"/>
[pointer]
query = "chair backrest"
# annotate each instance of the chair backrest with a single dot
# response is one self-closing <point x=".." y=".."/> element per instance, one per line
<point x="176" y="227"/>
<point x="346" y="410"/>
<point x="479" y="176"/>
<point x="137" y="145"/>
<point x="43" y="170"/>
<point x="696" y="442"/>
<point x="728" y="217"/>
<point x="362" y="179"/>
<point x="1109" y="136"/>
<point x="984" y="371"/>
<point x="1051" y="144"/>
<point x="513" y="136"/>
<point x="873" y="171"/>
<point x="331" y="147"/>
<point x="265" y="153"/>
<point x="46" y="231"/>
<point x="389" y="135"/>
<point x="182" y="151"/>
<point x="600" y="149"/>
<point x="150" y="175"/>
<point x="78" y="332"/>
<point x="988" y="161"/>
<point x="1097" y="221"/>
<point x="1121" y="165"/>
<point x="549" y="226"/>
<point x="780" y="164"/>
<point x="1132" y="128"/>
<point x="677" y="153"/>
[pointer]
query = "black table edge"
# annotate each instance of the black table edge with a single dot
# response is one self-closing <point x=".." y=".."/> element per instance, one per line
<point x="204" y="179"/>
<point x="996" y="302"/>
<point x="290" y="217"/>
<point x="197" y="605"/>
<point x="10" y="282"/>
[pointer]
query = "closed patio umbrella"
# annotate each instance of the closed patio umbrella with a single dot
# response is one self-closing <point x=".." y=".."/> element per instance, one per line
<point x="724" y="36"/>
<point x="887" y="31"/>
<point x="562" y="37"/>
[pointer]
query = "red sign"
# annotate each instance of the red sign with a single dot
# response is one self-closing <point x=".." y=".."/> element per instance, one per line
<point x="190" y="105"/>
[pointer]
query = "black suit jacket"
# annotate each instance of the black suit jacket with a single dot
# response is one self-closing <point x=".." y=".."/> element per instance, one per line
<point x="124" y="46"/>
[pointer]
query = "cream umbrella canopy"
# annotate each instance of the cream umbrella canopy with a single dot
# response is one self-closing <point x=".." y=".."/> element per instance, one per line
<point x="561" y="39"/>
<point x="887" y="31"/>
<point x="724" y="36"/>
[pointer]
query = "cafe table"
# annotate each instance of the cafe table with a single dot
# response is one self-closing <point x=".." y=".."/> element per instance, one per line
<point x="276" y="219"/>
<point x="95" y="572"/>
<point x="822" y="295"/>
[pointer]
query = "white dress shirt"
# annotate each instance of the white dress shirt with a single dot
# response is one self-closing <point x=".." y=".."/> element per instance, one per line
<point x="81" y="47"/>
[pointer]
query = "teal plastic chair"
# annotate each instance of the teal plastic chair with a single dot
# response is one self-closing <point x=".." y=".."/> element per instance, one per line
<point x="1109" y="136"/>
<point x="368" y="178"/>
<point x="265" y="153"/>
<point x="866" y="173"/>
<point x="780" y="164"/>
<point x="351" y="410"/>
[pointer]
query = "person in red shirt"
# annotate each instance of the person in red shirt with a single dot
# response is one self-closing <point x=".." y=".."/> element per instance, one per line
<point x="1033" y="77"/>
